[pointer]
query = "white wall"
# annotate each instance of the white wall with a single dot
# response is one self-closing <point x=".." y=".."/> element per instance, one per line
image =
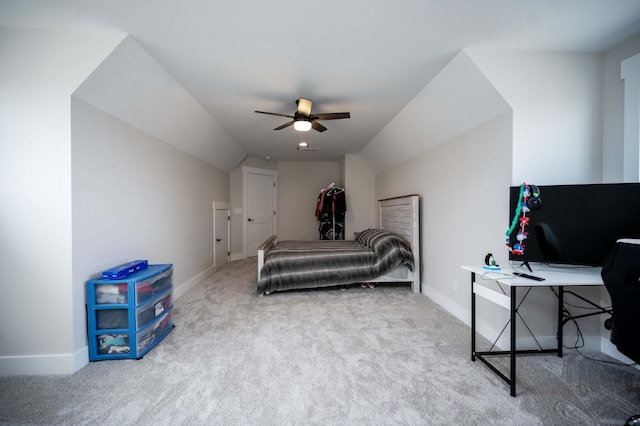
<point x="300" y="183"/>
<point x="39" y="72"/>
<point x="557" y="112"/>
<point x="613" y="115"/>
<point x="613" y="137"/>
<point x="553" y="135"/>
<point x="168" y="217"/>
<point x="458" y="134"/>
<point x="463" y="186"/>
<point x="359" y="182"/>
<point x="57" y="230"/>
<point x="136" y="197"/>
<point x="579" y="99"/>
<point x="456" y="138"/>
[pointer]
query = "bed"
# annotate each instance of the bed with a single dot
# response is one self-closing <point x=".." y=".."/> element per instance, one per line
<point x="389" y="254"/>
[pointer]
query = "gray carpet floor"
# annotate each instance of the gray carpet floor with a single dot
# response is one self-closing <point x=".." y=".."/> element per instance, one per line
<point x="382" y="356"/>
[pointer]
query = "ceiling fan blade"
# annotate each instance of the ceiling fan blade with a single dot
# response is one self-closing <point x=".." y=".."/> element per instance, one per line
<point x="331" y="116"/>
<point x="317" y="126"/>
<point x="284" y="126"/>
<point x="304" y="106"/>
<point x="274" y="113"/>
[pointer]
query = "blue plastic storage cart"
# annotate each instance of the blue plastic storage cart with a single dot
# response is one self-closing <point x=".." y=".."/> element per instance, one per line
<point x="128" y="317"/>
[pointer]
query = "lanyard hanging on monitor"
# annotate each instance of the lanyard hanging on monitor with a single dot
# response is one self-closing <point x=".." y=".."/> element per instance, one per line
<point x="528" y="200"/>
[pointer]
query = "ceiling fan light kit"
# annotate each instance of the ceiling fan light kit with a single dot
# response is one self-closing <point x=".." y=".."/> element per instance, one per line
<point x="302" y="125"/>
<point x="303" y="120"/>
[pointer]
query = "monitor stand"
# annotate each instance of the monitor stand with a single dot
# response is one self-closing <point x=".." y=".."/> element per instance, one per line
<point x="526" y="263"/>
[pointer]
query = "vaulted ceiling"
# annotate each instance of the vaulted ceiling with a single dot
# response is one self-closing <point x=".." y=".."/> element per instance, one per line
<point x="367" y="57"/>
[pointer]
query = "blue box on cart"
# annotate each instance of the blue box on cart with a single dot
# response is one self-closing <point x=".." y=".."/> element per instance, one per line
<point x="125" y="270"/>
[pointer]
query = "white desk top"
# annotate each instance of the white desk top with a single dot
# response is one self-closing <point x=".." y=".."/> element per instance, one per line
<point x="553" y="275"/>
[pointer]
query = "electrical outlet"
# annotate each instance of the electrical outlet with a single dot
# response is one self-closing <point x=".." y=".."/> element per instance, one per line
<point x="455" y="285"/>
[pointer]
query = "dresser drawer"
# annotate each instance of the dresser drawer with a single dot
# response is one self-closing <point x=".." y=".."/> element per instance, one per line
<point x="112" y="292"/>
<point x="113" y="344"/>
<point x="148" y="288"/>
<point x="151" y="335"/>
<point x="109" y="319"/>
<point x="153" y="309"/>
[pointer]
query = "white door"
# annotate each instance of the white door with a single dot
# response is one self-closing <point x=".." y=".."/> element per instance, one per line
<point x="260" y="210"/>
<point x="221" y="225"/>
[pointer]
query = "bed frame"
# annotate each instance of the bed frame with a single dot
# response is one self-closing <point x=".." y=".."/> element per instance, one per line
<point x="400" y="215"/>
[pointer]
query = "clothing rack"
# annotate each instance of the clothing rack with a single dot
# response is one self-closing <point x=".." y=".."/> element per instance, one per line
<point x="330" y="211"/>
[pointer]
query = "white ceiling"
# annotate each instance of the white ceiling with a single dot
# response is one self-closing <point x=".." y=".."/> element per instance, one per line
<point x="368" y="57"/>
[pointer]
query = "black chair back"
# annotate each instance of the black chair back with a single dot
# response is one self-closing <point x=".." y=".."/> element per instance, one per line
<point x="621" y="277"/>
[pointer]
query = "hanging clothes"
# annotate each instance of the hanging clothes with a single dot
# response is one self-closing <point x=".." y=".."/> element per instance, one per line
<point x="330" y="211"/>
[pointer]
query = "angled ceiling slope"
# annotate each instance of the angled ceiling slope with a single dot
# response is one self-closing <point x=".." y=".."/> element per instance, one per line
<point x="457" y="100"/>
<point x="130" y="85"/>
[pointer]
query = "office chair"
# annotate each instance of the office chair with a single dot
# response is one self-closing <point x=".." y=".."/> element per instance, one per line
<point x="621" y="277"/>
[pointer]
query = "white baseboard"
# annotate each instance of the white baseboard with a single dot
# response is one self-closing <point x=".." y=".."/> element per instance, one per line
<point x="591" y="343"/>
<point x="238" y="256"/>
<point x="503" y="342"/>
<point x="464" y="315"/>
<point x="182" y="289"/>
<point x="39" y="365"/>
<point x="448" y="304"/>
<point x="63" y="364"/>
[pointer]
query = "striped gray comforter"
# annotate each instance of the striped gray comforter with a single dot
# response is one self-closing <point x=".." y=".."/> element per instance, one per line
<point x="311" y="264"/>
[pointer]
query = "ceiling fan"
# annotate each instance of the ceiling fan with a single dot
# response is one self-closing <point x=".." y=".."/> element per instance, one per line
<point x="304" y="121"/>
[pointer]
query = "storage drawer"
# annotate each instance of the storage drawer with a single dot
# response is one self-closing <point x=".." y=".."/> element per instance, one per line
<point x="113" y="344"/>
<point x="115" y="293"/>
<point x="147" y="313"/>
<point x="112" y="319"/>
<point x="140" y="286"/>
<point x="149" y="336"/>
<point x="148" y="288"/>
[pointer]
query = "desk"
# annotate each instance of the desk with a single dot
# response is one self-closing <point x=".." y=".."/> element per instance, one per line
<point x="554" y="277"/>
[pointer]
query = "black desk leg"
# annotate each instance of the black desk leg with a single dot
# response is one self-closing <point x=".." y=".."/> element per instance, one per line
<point x="560" y="318"/>
<point x="473" y="318"/>
<point x="513" y="341"/>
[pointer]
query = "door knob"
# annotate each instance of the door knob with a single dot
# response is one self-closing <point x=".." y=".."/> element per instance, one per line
<point x="218" y="240"/>
<point x="249" y="219"/>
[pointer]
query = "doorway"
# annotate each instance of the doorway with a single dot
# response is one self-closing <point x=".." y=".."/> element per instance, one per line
<point x="221" y="230"/>
<point x="260" y="212"/>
